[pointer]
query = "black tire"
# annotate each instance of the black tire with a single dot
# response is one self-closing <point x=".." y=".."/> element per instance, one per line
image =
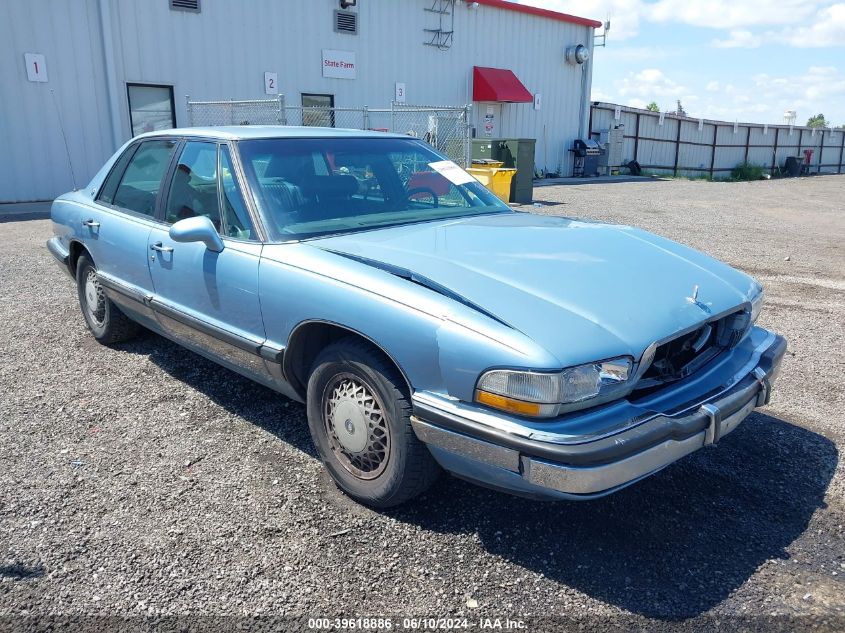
<point x="370" y="475"/>
<point x="105" y="321"/>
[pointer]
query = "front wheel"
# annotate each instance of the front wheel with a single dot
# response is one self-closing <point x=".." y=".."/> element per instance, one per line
<point x="359" y="417"/>
<point x="103" y="318"/>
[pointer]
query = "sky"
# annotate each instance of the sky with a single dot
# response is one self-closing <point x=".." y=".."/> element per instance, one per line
<point x="740" y="60"/>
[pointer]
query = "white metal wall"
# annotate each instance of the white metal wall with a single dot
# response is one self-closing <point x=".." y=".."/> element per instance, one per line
<point x="33" y="161"/>
<point x="223" y="51"/>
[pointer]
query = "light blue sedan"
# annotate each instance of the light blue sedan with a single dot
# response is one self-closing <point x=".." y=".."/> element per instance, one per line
<point x="424" y="324"/>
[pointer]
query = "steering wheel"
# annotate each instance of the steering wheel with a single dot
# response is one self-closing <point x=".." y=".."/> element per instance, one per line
<point x="370" y="185"/>
<point x="417" y="190"/>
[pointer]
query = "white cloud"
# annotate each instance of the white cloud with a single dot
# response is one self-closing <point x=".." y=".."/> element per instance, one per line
<point x="739" y="39"/>
<point x="650" y="83"/>
<point x="762" y="99"/>
<point x="728" y="14"/>
<point x="826" y="28"/>
<point x="802" y="23"/>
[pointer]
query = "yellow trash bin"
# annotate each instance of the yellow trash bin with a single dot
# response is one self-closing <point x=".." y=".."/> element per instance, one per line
<point x="492" y="175"/>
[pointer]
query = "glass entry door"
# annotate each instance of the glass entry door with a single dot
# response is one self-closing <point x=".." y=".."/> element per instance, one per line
<point x="318" y="110"/>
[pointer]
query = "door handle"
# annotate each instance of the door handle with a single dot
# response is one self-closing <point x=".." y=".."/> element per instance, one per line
<point x="160" y="248"/>
<point x="91" y="224"/>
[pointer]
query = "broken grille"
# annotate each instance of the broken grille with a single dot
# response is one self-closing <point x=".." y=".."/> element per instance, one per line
<point x="685" y="354"/>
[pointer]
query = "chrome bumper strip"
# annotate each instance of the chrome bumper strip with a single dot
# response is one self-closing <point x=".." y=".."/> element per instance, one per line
<point x="58" y="250"/>
<point x="590" y="480"/>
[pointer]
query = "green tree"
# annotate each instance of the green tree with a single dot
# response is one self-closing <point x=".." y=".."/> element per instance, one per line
<point x="653" y="107"/>
<point x="817" y="121"/>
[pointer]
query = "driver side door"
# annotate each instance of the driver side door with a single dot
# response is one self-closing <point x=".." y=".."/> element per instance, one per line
<point x="208" y="300"/>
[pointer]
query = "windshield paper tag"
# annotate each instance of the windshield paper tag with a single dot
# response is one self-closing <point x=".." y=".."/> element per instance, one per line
<point x="451" y="171"/>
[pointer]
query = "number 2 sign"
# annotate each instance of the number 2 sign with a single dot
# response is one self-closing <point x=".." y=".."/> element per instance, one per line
<point x="36" y="67"/>
<point x="271" y="83"/>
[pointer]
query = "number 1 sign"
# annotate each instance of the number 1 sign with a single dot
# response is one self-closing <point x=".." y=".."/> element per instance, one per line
<point x="36" y="67"/>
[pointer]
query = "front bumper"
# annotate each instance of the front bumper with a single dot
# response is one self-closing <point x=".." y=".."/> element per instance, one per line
<point x="498" y="452"/>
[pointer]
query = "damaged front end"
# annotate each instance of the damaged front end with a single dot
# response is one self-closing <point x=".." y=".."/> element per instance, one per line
<point x="683" y="355"/>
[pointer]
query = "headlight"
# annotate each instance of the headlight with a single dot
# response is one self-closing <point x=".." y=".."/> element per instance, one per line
<point x="757" y="305"/>
<point x="540" y="394"/>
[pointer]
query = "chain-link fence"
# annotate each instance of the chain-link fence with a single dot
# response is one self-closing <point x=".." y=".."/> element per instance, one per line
<point x="445" y="128"/>
<point x="254" y="112"/>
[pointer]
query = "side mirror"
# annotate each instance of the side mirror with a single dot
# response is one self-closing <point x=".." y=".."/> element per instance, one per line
<point x="197" y="229"/>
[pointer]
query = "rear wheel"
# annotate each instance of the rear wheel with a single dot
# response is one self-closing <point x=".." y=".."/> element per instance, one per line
<point x="103" y="318"/>
<point x="359" y="417"/>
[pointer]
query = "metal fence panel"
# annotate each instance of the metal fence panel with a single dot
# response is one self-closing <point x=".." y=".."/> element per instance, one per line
<point x="683" y="145"/>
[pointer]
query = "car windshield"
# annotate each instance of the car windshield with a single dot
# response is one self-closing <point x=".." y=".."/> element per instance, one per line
<point x="311" y="187"/>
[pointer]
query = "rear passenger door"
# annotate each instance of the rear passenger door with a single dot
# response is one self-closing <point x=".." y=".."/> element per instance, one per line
<point x="208" y="300"/>
<point x="118" y="225"/>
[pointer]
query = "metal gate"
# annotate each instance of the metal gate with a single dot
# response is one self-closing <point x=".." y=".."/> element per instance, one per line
<point x="446" y="128"/>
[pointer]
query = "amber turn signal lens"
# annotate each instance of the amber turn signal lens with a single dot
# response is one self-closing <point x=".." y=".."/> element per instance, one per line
<point x="507" y="404"/>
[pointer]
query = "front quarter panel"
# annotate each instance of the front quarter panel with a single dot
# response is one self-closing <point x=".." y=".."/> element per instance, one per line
<point x="438" y="344"/>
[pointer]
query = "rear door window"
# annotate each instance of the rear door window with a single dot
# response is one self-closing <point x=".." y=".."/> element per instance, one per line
<point x="141" y="181"/>
<point x="113" y="179"/>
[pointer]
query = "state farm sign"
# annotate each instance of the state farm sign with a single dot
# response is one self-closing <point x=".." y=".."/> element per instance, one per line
<point x="339" y="64"/>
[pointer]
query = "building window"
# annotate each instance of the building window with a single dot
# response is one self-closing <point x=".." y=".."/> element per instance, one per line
<point x="318" y="110"/>
<point x="151" y="108"/>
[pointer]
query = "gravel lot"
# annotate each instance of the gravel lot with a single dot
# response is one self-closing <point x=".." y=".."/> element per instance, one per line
<point x="143" y="479"/>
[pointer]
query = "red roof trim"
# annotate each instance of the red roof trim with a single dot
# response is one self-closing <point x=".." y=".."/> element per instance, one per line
<point x="498" y="84"/>
<point x="543" y="13"/>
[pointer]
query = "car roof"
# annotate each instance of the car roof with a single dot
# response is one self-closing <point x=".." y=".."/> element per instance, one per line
<point x="242" y="132"/>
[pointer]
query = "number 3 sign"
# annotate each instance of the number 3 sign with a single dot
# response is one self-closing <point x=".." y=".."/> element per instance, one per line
<point x="271" y="84"/>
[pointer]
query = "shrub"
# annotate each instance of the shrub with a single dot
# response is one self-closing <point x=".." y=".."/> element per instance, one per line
<point x="747" y="171"/>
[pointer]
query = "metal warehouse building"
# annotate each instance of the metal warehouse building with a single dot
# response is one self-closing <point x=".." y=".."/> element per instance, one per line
<point x="80" y="77"/>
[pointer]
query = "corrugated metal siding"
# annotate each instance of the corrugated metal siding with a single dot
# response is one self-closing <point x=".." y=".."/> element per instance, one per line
<point x="34" y="162"/>
<point x="223" y="51"/>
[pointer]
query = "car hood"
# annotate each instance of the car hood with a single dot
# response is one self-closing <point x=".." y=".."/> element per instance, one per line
<point x="582" y="290"/>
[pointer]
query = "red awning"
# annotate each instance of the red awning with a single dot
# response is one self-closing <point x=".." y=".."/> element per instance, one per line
<point x="498" y="84"/>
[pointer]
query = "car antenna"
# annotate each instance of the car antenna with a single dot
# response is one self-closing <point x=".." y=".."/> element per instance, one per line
<point x="64" y="137"/>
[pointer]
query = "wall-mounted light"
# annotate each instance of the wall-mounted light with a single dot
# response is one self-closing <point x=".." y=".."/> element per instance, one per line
<point x="345" y="4"/>
<point x="577" y="54"/>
